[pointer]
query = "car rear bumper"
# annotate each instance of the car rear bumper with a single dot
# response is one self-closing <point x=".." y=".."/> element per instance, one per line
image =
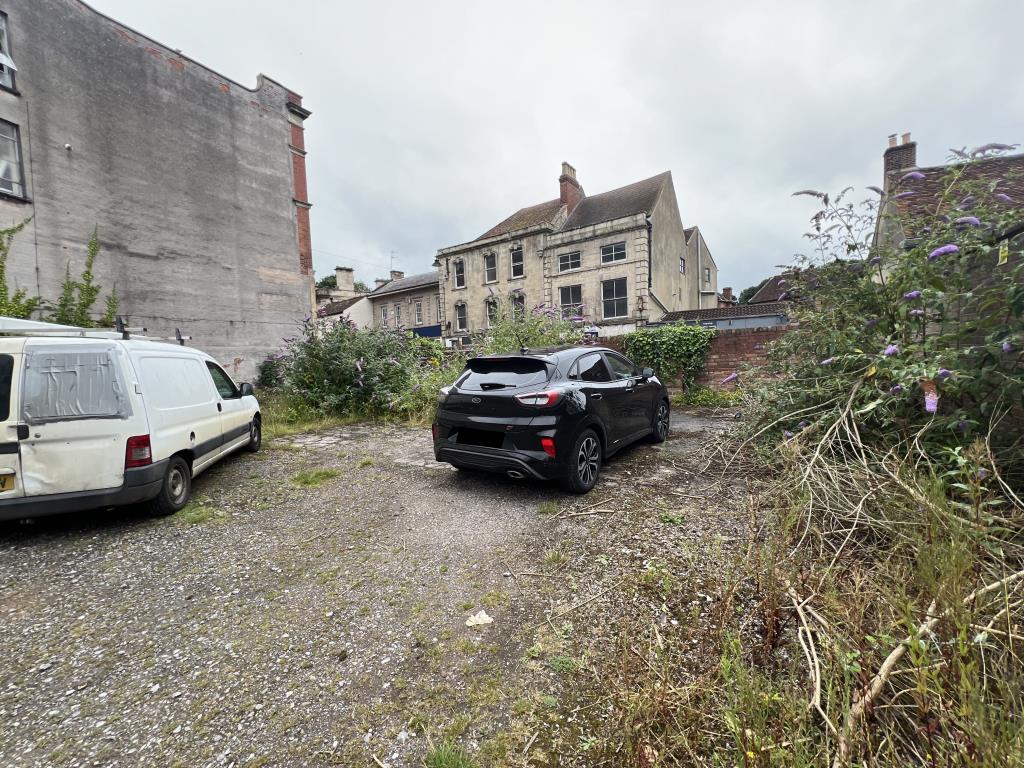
<point x="497" y="460"/>
<point x="140" y="484"/>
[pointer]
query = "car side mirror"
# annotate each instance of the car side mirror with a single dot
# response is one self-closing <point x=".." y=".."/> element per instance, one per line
<point x="246" y="389"/>
<point x="648" y="373"/>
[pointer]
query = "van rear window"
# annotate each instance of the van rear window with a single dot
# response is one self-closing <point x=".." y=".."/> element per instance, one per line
<point x="62" y="383"/>
<point x="6" y="373"/>
<point x="484" y="373"/>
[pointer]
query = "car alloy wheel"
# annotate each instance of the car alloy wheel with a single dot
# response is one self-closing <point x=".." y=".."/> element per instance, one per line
<point x="663" y="420"/>
<point x="588" y="460"/>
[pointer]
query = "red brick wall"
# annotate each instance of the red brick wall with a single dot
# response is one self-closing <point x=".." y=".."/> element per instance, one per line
<point x="305" y="244"/>
<point x="733" y="350"/>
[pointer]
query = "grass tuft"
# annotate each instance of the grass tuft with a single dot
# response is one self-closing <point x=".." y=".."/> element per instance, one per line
<point x="449" y="755"/>
<point x="312" y="478"/>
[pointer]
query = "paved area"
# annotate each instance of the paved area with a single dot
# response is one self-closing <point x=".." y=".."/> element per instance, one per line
<point x="310" y="606"/>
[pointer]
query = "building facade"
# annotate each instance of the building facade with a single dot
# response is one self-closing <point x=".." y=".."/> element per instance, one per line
<point x="618" y="260"/>
<point x="412" y="303"/>
<point x="195" y="185"/>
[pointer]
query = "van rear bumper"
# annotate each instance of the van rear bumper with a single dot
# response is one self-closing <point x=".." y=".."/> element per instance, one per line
<point x="140" y="484"/>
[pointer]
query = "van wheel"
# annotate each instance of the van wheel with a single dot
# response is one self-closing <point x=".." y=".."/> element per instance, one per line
<point x="175" y="491"/>
<point x="255" y="435"/>
<point x="584" y="463"/>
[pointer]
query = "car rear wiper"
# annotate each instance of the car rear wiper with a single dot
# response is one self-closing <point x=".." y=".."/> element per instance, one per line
<point x="493" y="385"/>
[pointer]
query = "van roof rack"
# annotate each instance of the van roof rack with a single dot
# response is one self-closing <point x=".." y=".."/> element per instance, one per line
<point x="17" y="327"/>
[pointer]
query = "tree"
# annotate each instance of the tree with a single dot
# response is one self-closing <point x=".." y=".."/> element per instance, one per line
<point x="19" y="305"/>
<point x="78" y="296"/>
<point x="327" y="283"/>
<point x="360" y="287"/>
<point x="748" y="293"/>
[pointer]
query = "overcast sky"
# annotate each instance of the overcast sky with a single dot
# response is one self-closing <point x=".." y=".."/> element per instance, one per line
<point x="432" y="121"/>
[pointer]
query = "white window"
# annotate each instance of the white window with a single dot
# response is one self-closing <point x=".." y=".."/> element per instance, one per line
<point x="384" y="315"/>
<point x="491" y="306"/>
<point x="613" y="252"/>
<point x="7" y="67"/>
<point x="491" y="268"/>
<point x="460" y="274"/>
<point x="707" y="275"/>
<point x="460" y="317"/>
<point x="519" y="303"/>
<point x="398" y="315"/>
<point x="567" y="261"/>
<point x="682" y="265"/>
<point x="613" y="296"/>
<point x="11" y="180"/>
<point x="516" y="261"/>
<point x="419" y="313"/>
<point x="570" y="298"/>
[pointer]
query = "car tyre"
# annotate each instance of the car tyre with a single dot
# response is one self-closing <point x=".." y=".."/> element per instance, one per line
<point x="584" y="463"/>
<point x="255" y="435"/>
<point x="662" y="422"/>
<point x="175" y="490"/>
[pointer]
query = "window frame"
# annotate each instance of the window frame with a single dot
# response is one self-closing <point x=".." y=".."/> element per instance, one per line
<point x="518" y="303"/>
<point x="490" y="265"/>
<point x="398" y="314"/>
<point x="568" y="255"/>
<point x="609" y="356"/>
<point x="384" y="315"/>
<point x="614" y="258"/>
<point x="512" y="264"/>
<point x="574" y="371"/>
<point x="461" y="322"/>
<point x="459" y="273"/>
<point x="707" y="275"/>
<point x="682" y="265"/>
<point x="211" y="367"/>
<point x="418" y="312"/>
<point x="20" y="164"/>
<point x="490" y="304"/>
<point x="571" y="309"/>
<point x="615" y="298"/>
<point x="5" y="47"/>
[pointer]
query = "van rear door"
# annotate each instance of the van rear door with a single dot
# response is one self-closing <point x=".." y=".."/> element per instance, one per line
<point x="11" y="484"/>
<point x="80" y="414"/>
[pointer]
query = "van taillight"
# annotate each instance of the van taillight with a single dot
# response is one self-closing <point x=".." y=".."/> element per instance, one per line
<point x="138" y="452"/>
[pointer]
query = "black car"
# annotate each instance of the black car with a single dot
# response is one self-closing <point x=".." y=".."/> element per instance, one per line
<point x="548" y="414"/>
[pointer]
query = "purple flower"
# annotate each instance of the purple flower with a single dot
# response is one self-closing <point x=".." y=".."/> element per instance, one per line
<point x="875" y="260"/>
<point x="967" y="203"/>
<point x="961" y="425"/>
<point x="784" y="295"/>
<point x="983" y="473"/>
<point x="943" y="251"/>
<point x="787" y="434"/>
<point x="944" y="373"/>
<point x="730" y="378"/>
<point x="802" y="425"/>
<point x="828" y="361"/>
<point x="913" y="175"/>
<point x="1003" y="196"/>
<point x="871" y="323"/>
<point x="876" y="190"/>
<point x="916" y="313"/>
<point x="901" y="195"/>
<point x="912" y="295"/>
<point x="964" y="221"/>
<point x="1007" y="347"/>
<point x="895" y="389"/>
<point x="891" y="350"/>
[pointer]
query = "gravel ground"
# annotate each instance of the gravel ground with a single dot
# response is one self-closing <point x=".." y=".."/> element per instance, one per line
<point x="276" y="623"/>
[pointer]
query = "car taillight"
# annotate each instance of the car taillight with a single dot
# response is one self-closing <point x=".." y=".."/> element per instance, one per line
<point x="548" y="444"/>
<point x="540" y="399"/>
<point x="137" y="452"/>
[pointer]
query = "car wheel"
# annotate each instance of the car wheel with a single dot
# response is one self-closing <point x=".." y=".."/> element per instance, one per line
<point x="662" y="421"/>
<point x="255" y="435"/>
<point x="584" y="463"/>
<point x="175" y="491"/>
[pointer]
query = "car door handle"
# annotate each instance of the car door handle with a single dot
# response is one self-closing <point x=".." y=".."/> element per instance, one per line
<point x="219" y="407"/>
<point x="597" y="396"/>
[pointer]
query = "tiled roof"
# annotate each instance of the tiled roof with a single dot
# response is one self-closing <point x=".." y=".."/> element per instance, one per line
<point x="337" y="307"/>
<point x="772" y="290"/>
<point x="618" y="203"/>
<point x="533" y="216"/>
<point x="930" y="196"/>
<point x="738" y="310"/>
<point x="407" y="283"/>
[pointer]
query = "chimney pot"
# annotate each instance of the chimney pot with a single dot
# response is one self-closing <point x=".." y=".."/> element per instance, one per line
<point x="905" y="138"/>
<point x="892" y="139"/>
<point x="898" y="158"/>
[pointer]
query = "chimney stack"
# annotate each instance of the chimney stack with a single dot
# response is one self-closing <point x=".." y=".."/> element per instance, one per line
<point x="727" y="292"/>
<point x="396" y="274"/>
<point x="345" y="279"/>
<point x="569" y="190"/>
<point x="380" y="281"/>
<point x="898" y="157"/>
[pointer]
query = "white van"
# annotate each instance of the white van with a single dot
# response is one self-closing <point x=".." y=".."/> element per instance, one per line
<point x="92" y="419"/>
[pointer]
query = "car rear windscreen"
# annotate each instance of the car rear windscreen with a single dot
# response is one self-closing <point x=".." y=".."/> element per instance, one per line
<point x="502" y="373"/>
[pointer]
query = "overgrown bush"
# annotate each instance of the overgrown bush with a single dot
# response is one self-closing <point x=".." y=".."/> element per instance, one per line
<point x="74" y="306"/>
<point x="512" y="328"/>
<point x="673" y="351"/>
<point x="705" y="397"/>
<point x="19" y="304"/>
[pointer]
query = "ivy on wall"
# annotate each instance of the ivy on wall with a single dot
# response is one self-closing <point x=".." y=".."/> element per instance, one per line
<point x="673" y="351"/>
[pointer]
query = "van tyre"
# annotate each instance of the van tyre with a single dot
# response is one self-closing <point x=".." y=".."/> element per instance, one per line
<point x="584" y="463"/>
<point x="175" y="491"/>
<point x="662" y="423"/>
<point x="255" y="435"/>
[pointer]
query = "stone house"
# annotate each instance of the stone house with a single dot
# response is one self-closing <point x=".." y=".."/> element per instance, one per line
<point x="195" y="184"/>
<point x="619" y="260"/>
<point x="413" y="303"/>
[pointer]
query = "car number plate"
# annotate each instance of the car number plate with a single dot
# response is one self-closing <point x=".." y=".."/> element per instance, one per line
<point x="6" y="483"/>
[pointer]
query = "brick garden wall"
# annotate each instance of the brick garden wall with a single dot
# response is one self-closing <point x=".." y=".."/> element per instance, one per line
<point x="733" y="350"/>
